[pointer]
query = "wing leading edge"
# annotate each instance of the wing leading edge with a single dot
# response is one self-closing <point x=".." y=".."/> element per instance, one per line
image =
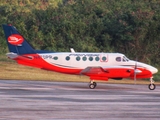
<point x="104" y="73"/>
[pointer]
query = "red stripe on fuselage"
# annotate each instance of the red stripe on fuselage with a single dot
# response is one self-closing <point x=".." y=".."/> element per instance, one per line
<point x="38" y="62"/>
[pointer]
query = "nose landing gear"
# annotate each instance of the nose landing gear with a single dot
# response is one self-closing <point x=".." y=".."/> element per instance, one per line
<point x="152" y="86"/>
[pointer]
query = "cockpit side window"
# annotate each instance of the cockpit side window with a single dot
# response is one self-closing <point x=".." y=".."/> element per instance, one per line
<point x="118" y="59"/>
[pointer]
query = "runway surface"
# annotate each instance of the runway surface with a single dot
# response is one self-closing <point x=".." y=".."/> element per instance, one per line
<point x="36" y="100"/>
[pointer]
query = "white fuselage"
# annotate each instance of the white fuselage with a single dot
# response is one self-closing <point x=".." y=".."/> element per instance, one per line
<point x="82" y="60"/>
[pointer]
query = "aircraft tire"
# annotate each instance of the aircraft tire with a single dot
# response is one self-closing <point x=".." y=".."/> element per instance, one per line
<point x="152" y="86"/>
<point x="95" y="84"/>
<point x="92" y="86"/>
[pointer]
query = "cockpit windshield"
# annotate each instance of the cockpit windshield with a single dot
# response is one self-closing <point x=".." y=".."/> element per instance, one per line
<point x="125" y="59"/>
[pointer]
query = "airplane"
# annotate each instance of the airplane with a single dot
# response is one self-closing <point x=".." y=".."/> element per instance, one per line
<point x="97" y="66"/>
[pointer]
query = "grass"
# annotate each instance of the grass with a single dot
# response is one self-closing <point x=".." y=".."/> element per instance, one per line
<point x="10" y="70"/>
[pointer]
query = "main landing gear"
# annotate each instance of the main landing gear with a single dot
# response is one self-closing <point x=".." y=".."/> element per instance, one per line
<point x="151" y="86"/>
<point x="92" y="84"/>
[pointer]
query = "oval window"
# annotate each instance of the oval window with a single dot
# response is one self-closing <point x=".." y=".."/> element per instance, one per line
<point x="104" y="58"/>
<point x="97" y="58"/>
<point x="118" y="59"/>
<point x="67" y="58"/>
<point x="55" y="58"/>
<point x="84" y="58"/>
<point x="90" y="58"/>
<point x="78" y="58"/>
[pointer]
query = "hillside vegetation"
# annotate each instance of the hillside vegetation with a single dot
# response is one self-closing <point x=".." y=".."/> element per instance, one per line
<point x="131" y="27"/>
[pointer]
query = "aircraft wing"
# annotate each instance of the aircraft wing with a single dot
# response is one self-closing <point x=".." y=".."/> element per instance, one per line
<point x="93" y="70"/>
<point x="108" y="72"/>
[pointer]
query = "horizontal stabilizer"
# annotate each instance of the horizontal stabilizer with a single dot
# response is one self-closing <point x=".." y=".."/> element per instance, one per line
<point x="12" y="55"/>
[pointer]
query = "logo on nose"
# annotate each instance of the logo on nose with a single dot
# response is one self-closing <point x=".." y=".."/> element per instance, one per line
<point x="15" y="39"/>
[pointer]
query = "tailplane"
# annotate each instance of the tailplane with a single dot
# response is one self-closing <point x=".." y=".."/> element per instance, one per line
<point x="17" y="44"/>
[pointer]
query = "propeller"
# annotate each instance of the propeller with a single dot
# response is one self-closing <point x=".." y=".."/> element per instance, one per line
<point x="135" y="72"/>
<point x="135" y="68"/>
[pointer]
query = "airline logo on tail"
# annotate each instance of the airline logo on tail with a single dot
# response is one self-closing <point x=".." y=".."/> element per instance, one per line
<point x="15" y="39"/>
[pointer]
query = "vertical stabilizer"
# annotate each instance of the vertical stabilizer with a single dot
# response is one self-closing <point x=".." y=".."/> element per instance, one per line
<point x="16" y="42"/>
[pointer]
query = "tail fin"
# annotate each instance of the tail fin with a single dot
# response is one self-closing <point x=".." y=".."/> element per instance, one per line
<point x="16" y="42"/>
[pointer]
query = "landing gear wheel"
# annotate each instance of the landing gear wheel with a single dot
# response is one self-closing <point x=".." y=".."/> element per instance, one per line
<point x="151" y="86"/>
<point x="92" y="86"/>
<point x="95" y="84"/>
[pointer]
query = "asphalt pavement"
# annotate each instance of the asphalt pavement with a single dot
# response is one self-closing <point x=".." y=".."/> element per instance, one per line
<point x="40" y="100"/>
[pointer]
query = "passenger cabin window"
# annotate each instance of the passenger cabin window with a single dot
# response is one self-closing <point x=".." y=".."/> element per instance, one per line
<point x="90" y="58"/>
<point x="84" y="58"/>
<point x="104" y="58"/>
<point x="55" y="58"/>
<point x="78" y="58"/>
<point x="118" y="59"/>
<point x="67" y="58"/>
<point x="97" y="58"/>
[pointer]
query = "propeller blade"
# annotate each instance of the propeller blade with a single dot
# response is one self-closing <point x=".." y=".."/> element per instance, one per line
<point x="135" y="68"/>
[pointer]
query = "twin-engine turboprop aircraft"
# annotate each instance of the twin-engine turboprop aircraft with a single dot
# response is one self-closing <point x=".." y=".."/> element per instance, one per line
<point x="98" y="66"/>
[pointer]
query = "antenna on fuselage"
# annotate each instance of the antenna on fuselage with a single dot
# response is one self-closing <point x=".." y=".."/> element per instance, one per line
<point x="72" y="50"/>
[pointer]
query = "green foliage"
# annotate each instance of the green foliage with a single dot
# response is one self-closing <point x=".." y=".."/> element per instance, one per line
<point x="131" y="27"/>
